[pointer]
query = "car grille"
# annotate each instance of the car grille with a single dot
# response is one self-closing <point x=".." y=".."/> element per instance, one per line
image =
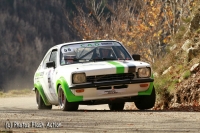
<point x="110" y="77"/>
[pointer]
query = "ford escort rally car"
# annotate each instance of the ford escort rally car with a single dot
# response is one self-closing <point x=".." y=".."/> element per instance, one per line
<point x="91" y="73"/>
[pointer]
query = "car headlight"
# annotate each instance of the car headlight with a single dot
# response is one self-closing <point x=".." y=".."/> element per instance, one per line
<point x="78" y="78"/>
<point x="144" y="72"/>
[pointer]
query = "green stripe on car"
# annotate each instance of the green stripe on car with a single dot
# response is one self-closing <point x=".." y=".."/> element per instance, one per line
<point x="38" y="86"/>
<point x="68" y="93"/>
<point x="119" y="66"/>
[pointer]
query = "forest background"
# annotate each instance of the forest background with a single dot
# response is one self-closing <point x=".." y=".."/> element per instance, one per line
<point x="28" y="28"/>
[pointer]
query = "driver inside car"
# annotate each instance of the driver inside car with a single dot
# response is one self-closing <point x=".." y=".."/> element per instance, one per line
<point x="69" y="59"/>
<point x="105" y="53"/>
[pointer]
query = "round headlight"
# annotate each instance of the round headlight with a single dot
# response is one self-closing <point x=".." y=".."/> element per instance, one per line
<point x="144" y="72"/>
<point x="78" y="78"/>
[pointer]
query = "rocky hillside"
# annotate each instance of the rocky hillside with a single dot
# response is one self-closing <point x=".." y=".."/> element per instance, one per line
<point x="177" y="76"/>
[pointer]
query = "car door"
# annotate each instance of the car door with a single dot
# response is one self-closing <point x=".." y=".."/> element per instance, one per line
<point x="49" y="76"/>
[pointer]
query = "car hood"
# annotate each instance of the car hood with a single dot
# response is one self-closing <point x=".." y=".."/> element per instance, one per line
<point x="107" y="67"/>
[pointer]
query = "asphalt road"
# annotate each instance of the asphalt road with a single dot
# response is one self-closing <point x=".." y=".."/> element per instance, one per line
<point x="20" y="114"/>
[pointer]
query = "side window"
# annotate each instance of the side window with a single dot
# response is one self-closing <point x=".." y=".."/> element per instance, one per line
<point x="53" y="56"/>
<point x="118" y="52"/>
<point x="46" y="59"/>
<point x="125" y="54"/>
<point x="121" y="53"/>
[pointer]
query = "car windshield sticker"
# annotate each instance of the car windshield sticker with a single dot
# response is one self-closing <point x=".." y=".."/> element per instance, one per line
<point x="100" y="44"/>
<point x="71" y="48"/>
<point x="67" y="49"/>
<point x="107" y="43"/>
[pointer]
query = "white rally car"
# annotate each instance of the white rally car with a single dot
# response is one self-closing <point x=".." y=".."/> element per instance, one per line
<point x="93" y="72"/>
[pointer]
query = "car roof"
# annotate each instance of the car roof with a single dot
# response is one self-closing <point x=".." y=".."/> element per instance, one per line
<point x="76" y="42"/>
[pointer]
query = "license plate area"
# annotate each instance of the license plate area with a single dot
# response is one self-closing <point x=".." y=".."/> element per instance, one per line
<point x="110" y="87"/>
<point x="103" y="90"/>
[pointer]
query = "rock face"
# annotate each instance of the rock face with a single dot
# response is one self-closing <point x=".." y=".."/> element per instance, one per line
<point x="187" y="45"/>
<point x="155" y="74"/>
<point x="195" y="68"/>
<point x="173" y="47"/>
<point x="188" y="92"/>
<point x="168" y="70"/>
<point x="192" y="52"/>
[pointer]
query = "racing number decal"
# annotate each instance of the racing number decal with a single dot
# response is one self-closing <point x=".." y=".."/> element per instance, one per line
<point x="49" y="84"/>
<point x="50" y="79"/>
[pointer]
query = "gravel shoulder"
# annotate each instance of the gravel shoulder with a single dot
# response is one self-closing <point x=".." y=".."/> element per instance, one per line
<point x="20" y="114"/>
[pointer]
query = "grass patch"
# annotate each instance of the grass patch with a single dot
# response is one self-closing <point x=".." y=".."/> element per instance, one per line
<point x="1" y="93"/>
<point x="19" y="92"/>
<point x="15" y="93"/>
<point x="186" y="74"/>
<point x="186" y="20"/>
<point x="179" y="35"/>
<point x="198" y="31"/>
<point x="161" y="82"/>
<point x="172" y="86"/>
<point x="166" y="84"/>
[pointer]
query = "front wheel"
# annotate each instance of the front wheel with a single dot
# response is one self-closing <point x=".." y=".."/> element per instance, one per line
<point x="116" y="106"/>
<point x="147" y="101"/>
<point x="40" y="102"/>
<point x="64" y="104"/>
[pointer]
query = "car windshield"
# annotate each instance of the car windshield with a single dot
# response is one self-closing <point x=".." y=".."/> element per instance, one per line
<point x="93" y="51"/>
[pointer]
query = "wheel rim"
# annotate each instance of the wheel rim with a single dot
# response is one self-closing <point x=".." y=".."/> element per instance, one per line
<point x="61" y="98"/>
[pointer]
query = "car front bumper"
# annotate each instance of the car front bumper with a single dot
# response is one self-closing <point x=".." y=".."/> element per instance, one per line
<point x="109" y="83"/>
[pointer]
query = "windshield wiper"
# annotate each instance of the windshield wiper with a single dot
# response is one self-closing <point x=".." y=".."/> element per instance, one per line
<point x="78" y="60"/>
<point x="88" y="60"/>
<point x="109" y="59"/>
<point x="103" y="59"/>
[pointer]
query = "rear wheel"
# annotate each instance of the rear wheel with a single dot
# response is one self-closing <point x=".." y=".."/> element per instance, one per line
<point x="64" y="104"/>
<point x="116" y="106"/>
<point x="40" y="102"/>
<point x="146" y="102"/>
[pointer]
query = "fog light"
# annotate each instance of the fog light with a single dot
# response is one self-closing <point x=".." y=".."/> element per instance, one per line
<point x="144" y="85"/>
<point x="79" y="90"/>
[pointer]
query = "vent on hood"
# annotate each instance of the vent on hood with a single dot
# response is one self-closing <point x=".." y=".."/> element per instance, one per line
<point x="110" y="77"/>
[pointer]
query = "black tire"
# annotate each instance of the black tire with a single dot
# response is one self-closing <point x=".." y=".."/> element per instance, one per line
<point x="64" y="104"/>
<point x="116" y="106"/>
<point x="146" y="102"/>
<point x="40" y="102"/>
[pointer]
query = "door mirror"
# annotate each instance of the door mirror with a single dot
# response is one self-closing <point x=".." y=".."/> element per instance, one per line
<point x="50" y="64"/>
<point x="136" y="57"/>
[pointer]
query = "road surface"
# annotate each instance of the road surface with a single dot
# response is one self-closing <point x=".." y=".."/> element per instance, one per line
<point x="20" y="114"/>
